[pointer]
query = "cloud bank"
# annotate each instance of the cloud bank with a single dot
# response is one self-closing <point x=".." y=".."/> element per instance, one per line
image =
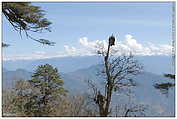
<point x="129" y="44"/>
<point x="89" y="47"/>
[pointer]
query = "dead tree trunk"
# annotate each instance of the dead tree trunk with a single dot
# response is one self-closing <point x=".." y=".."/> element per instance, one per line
<point x="104" y="106"/>
<point x="115" y="71"/>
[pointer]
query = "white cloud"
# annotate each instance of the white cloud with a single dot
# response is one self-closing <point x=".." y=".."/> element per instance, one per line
<point x="88" y="48"/>
<point x="89" y="44"/>
<point x="35" y="55"/>
<point x="129" y="44"/>
<point x="83" y="41"/>
<point x="132" y="43"/>
<point x="39" y="53"/>
<point x="71" y="51"/>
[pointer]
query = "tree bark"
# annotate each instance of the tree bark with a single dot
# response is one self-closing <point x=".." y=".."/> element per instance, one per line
<point x="104" y="109"/>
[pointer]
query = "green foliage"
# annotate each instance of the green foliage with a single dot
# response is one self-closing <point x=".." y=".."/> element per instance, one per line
<point x="47" y="80"/>
<point x="38" y="96"/>
<point x="5" y="45"/>
<point x="164" y="87"/>
<point x="171" y="76"/>
<point x="24" y="16"/>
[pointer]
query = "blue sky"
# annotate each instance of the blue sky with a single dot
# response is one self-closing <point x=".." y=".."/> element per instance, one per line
<point x="145" y="23"/>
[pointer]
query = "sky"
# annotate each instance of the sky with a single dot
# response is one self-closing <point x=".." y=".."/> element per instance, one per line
<point x="77" y="28"/>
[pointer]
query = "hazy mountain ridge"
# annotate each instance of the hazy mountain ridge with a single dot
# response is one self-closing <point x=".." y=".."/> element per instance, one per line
<point x="10" y="77"/>
<point x="64" y="64"/>
<point x="78" y="79"/>
<point x="144" y="93"/>
<point x="155" y="64"/>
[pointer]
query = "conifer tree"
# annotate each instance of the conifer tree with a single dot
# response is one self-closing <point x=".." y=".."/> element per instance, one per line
<point x="25" y="17"/>
<point x="47" y="80"/>
<point x="40" y="95"/>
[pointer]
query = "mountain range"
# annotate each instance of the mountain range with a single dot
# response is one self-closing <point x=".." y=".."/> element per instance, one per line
<point x="143" y="93"/>
<point x="154" y="64"/>
<point x="75" y="71"/>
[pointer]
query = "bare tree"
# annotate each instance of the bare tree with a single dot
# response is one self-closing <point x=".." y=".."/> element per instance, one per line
<point x="116" y="72"/>
<point x="74" y="106"/>
<point x="127" y="110"/>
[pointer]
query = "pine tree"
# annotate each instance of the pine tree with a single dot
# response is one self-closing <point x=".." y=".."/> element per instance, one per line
<point x="24" y="16"/>
<point x="47" y="80"/>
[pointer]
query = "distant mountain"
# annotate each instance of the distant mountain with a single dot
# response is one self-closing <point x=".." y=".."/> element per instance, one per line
<point x="64" y="64"/>
<point x="157" y="64"/>
<point x="10" y="77"/>
<point x="144" y="93"/>
<point x="154" y="64"/>
<point x="158" y="104"/>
